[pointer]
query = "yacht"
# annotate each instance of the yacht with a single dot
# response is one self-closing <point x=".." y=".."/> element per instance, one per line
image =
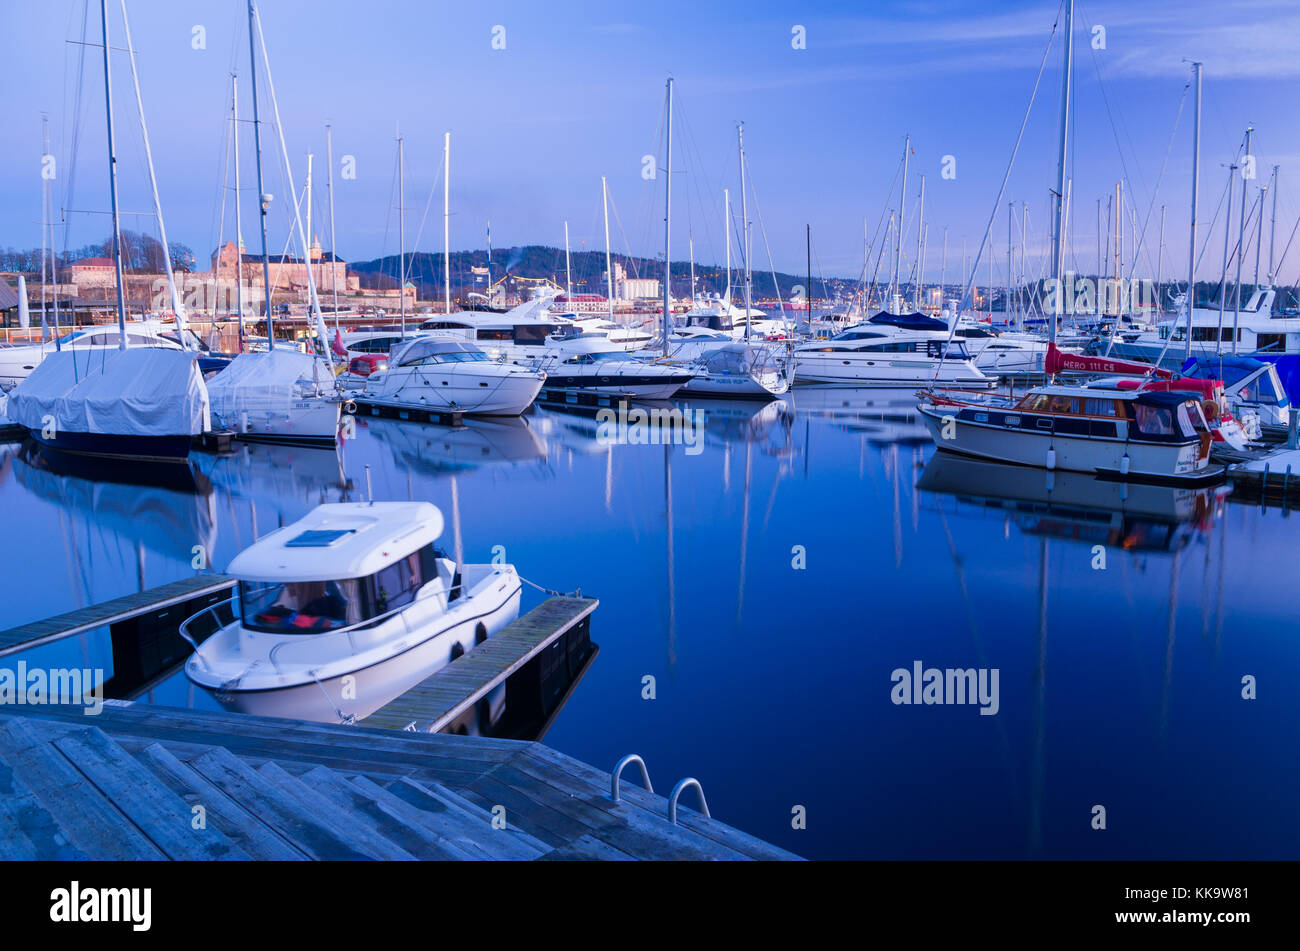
<point x="624" y="338"/>
<point x="738" y="372"/>
<point x="719" y="313"/>
<point x="1001" y="353"/>
<point x="881" y="355"/>
<point x="453" y="375"/>
<point x="1259" y="334"/>
<point x="344" y="610"/>
<point x="276" y="396"/>
<point x="614" y="373"/>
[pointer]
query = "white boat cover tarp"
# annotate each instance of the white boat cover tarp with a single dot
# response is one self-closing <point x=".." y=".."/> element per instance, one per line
<point x="145" y="391"/>
<point x="264" y="382"/>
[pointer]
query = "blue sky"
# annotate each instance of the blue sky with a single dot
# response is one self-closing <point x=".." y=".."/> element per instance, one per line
<point x="578" y="92"/>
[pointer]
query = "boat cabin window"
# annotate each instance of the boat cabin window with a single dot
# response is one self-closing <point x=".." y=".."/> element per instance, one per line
<point x="1274" y="342"/>
<point x="1213" y="333"/>
<point x="494" y="333"/>
<point x="533" y="335"/>
<point x="1154" y="420"/>
<point x="317" y="607"/>
<point x="1261" y="390"/>
<point x="300" y="607"/>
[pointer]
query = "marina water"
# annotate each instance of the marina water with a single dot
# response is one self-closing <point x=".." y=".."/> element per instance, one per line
<point x="757" y="595"/>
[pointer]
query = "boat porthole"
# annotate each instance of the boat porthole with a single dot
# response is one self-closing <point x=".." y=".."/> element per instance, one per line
<point x="480" y="633"/>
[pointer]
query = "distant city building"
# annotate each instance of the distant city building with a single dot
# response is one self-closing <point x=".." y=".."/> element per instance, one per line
<point x="631" y="288"/>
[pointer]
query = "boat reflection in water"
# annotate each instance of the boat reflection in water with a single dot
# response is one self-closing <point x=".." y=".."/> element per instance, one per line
<point x="1076" y="506"/>
<point x="505" y="440"/>
<point x="881" y="414"/>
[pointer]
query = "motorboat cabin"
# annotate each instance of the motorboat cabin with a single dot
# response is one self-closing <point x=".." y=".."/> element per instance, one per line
<point x="344" y="610"/>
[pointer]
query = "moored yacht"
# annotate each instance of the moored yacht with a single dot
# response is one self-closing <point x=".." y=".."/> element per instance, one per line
<point x="738" y="372"/>
<point x="1140" y="433"/>
<point x="874" y="355"/>
<point x="344" y="610"/>
<point x="276" y="396"/>
<point x="614" y="373"/>
<point x="451" y="375"/>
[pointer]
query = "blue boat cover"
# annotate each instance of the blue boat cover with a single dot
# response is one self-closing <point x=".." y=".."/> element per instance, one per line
<point x="909" y="321"/>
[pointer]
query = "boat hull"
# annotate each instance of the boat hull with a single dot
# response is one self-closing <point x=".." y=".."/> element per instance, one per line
<point x="169" y="449"/>
<point x="370" y="687"/>
<point x="453" y="391"/>
<point x="312" y="422"/>
<point x="1048" y="450"/>
<point x="831" y="367"/>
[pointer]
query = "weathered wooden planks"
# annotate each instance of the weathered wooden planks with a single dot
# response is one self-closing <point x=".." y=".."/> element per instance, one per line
<point x="447" y="693"/>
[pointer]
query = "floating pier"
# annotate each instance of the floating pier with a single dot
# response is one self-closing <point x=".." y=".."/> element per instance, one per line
<point x="414" y="413"/>
<point x="143" y="628"/>
<point x="1271" y="477"/>
<point x="430" y="706"/>
<point x="12" y="432"/>
<point x="580" y="400"/>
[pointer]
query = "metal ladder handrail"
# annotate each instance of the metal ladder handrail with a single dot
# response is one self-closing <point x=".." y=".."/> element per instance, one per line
<point x="677" y="791"/>
<point x="183" y="628"/>
<point x="618" y="771"/>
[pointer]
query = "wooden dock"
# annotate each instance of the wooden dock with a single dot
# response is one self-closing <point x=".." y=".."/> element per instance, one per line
<point x="1271" y="476"/>
<point x="432" y="705"/>
<point x="130" y="782"/>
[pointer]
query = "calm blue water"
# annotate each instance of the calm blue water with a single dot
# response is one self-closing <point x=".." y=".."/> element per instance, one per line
<point x="1118" y="686"/>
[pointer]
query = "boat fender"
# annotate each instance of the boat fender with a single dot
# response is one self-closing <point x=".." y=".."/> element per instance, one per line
<point x="1123" y="464"/>
<point x="350" y="407"/>
<point x="1051" y="459"/>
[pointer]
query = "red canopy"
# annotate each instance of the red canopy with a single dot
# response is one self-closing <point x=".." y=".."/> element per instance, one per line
<point x="1057" y="361"/>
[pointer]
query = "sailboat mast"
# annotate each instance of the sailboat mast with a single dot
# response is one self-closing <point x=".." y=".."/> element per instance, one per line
<point x="568" y="266"/>
<point x="239" y="230"/>
<point x="112" y="180"/>
<point x="1272" y="229"/>
<point x="401" y="227"/>
<point x="894" y="289"/>
<point x="446" y="221"/>
<point x="329" y="186"/>
<point x="808" y="252"/>
<point x="1160" y="258"/>
<point x="263" y="199"/>
<point x="1058" y="232"/>
<point x="609" y="267"/>
<point x="690" y="240"/>
<point x="1196" y="186"/>
<point x="744" y="223"/>
<point x="1223" y="280"/>
<point x="726" y="233"/>
<point x="920" y="237"/>
<point x="45" y="226"/>
<point x="1241" y="244"/>
<point x="668" y="206"/>
<point x="489" y="259"/>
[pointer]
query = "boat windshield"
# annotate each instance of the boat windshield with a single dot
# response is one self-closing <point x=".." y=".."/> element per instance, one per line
<point x="300" y="607"/>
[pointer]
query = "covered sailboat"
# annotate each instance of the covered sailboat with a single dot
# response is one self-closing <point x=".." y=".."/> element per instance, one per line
<point x="146" y="403"/>
<point x="278" y="396"/>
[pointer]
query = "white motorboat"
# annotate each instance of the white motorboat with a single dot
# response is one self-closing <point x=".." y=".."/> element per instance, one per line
<point x="452" y="375"/>
<point x="876" y="355"/>
<point x="276" y="396"/>
<point x="617" y="335"/>
<point x="614" y="373"/>
<point x="695" y="342"/>
<point x="738" y="372"/>
<point x="1250" y="387"/>
<point x="344" y="610"/>
<point x="1002" y="353"/>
